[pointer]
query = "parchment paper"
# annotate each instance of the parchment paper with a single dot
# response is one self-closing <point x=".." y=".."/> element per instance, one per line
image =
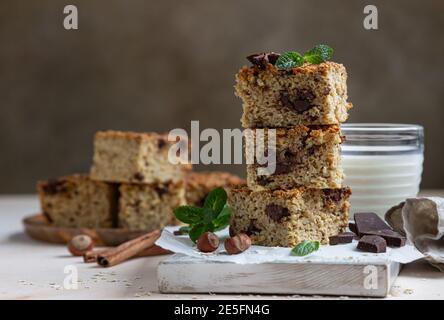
<point x="345" y="253"/>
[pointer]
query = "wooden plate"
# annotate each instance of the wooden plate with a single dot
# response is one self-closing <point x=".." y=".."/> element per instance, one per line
<point x="37" y="227"/>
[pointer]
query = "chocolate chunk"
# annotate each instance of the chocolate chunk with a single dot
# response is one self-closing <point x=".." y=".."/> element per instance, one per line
<point x="161" y="189"/>
<point x="392" y="238"/>
<point x="344" y="237"/>
<point x="375" y="244"/>
<point x="369" y="221"/>
<point x="313" y="149"/>
<point x="352" y="227"/>
<point x="276" y="212"/>
<point x="138" y="176"/>
<point x="262" y="59"/>
<point x="54" y="186"/>
<point x="286" y="162"/>
<point x="252" y="229"/>
<point x="262" y="180"/>
<point x="297" y="105"/>
<point x="332" y="195"/>
<point x="282" y="168"/>
<point x="272" y="57"/>
<point x="161" y="143"/>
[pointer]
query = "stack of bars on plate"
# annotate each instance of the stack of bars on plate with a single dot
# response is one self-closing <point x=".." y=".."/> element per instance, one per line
<point x="132" y="185"/>
<point x="303" y="199"/>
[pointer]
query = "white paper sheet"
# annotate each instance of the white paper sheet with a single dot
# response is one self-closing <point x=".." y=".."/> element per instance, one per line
<point x="344" y="253"/>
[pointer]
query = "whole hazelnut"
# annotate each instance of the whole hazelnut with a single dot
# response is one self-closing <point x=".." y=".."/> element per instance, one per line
<point x="237" y="244"/>
<point x="208" y="242"/>
<point x="80" y="244"/>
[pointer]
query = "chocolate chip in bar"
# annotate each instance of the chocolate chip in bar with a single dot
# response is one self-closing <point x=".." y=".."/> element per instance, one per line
<point x="297" y="105"/>
<point x="393" y="238"/>
<point x="369" y="221"/>
<point x="375" y="244"/>
<point x="341" y="238"/>
<point x="276" y="212"/>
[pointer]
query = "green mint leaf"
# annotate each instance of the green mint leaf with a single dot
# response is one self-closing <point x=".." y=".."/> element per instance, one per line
<point x="216" y="200"/>
<point x="304" y="248"/>
<point x="223" y="219"/>
<point x="208" y="215"/>
<point x="289" y="60"/>
<point x="196" y="231"/>
<point x="318" y="54"/>
<point x="188" y="214"/>
<point x="184" y="229"/>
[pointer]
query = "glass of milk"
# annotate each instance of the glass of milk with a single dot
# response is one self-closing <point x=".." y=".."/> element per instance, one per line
<point x="382" y="164"/>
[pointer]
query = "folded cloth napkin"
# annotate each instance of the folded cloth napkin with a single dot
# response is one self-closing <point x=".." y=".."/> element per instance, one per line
<point x="422" y="221"/>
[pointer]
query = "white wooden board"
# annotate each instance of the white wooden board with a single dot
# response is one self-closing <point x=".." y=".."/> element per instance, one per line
<point x="184" y="274"/>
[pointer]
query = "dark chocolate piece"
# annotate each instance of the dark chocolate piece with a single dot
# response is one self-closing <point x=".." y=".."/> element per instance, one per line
<point x="333" y="195"/>
<point x="276" y="212"/>
<point x="262" y="180"/>
<point x="375" y="244"/>
<point x="252" y="229"/>
<point x="298" y="105"/>
<point x="352" y="227"/>
<point x="161" y="189"/>
<point x="393" y="238"/>
<point x="262" y="59"/>
<point x="138" y="176"/>
<point x="54" y="186"/>
<point x="369" y="221"/>
<point x="344" y="237"/>
<point x="161" y="143"/>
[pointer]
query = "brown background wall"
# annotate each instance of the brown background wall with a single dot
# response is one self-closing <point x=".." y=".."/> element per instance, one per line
<point x="156" y="65"/>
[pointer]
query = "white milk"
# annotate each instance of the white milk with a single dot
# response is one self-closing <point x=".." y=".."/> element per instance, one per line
<point x="382" y="164"/>
<point x="379" y="182"/>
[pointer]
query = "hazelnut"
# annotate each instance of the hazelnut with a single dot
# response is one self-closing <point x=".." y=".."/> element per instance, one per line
<point x="237" y="244"/>
<point x="80" y="244"/>
<point x="208" y="242"/>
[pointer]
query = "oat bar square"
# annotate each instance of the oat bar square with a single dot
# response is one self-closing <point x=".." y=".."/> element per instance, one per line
<point x="77" y="201"/>
<point x="288" y="217"/>
<point x="134" y="158"/>
<point x="310" y="94"/>
<point x="305" y="157"/>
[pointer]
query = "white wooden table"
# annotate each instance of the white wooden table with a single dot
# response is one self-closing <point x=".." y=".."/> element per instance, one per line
<point x="35" y="270"/>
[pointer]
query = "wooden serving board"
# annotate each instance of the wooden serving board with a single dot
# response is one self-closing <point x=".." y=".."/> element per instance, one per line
<point x="38" y="227"/>
<point x="184" y="274"/>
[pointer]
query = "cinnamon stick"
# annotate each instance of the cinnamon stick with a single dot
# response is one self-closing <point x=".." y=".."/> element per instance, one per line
<point x="127" y="250"/>
<point x="91" y="256"/>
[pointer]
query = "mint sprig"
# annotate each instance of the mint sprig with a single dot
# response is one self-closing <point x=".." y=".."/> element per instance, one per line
<point x="318" y="54"/>
<point x="213" y="216"/>
<point x="305" y="247"/>
<point x="292" y="59"/>
<point x="289" y="60"/>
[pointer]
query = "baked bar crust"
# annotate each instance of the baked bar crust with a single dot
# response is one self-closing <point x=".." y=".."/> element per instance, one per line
<point x="305" y="156"/>
<point x="149" y="206"/>
<point x="132" y="157"/>
<point x="288" y="217"/>
<point x="310" y="94"/>
<point x="199" y="184"/>
<point x="77" y="201"/>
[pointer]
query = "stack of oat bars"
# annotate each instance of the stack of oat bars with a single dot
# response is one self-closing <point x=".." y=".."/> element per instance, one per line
<point x="132" y="185"/>
<point x="303" y="199"/>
